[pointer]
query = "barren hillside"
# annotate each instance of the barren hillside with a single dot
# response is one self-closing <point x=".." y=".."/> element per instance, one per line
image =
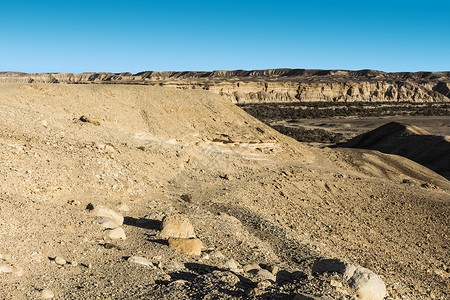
<point x="264" y="206"/>
<point x="275" y="85"/>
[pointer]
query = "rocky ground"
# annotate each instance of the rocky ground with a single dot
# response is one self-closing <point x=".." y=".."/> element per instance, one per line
<point x="268" y="214"/>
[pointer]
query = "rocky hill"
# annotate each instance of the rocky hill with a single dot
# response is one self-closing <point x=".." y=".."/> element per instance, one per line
<point x="408" y="141"/>
<point x="275" y="85"/>
<point x="139" y="192"/>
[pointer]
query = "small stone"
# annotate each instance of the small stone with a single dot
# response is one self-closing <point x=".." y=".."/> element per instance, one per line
<point x="44" y="123"/>
<point x="89" y="120"/>
<point x="217" y="254"/>
<point x="251" y="267"/>
<point x="230" y="264"/>
<point x="254" y="292"/>
<point x="60" y="261"/>
<point x="174" y="266"/>
<point x="111" y="246"/>
<point x="186" y="197"/>
<point x="106" y="222"/>
<point x="166" y="277"/>
<point x="47" y="294"/>
<point x="36" y="257"/>
<point x="74" y="202"/>
<point x="18" y="271"/>
<point x="123" y="207"/>
<point x="335" y="283"/>
<point x="265" y="274"/>
<point x="188" y="246"/>
<point x="177" y="226"/>
<point x="87" y="265"/>
<point x="109" y="148"/>
<point x="264" y="284"/>
<point x="102" y="211"/>
<point x="73" y="263"/>
<point x="116" y="233"/>
<point x="179" y="282"/>
<point x="140" y="261"/>
<point x="6" y="268"/>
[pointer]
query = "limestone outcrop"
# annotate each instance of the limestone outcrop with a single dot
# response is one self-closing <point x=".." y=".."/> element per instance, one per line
<point x="275" y="85"/>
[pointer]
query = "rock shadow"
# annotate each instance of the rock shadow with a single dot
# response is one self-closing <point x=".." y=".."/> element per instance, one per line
<point x="142" y="223"/>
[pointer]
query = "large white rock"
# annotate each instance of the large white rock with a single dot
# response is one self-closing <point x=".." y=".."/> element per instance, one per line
<point x="102" y="211"/>
<point x="366" y="284"/>
<point x="106" y="222"/>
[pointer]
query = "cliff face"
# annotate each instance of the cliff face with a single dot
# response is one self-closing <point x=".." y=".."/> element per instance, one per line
<point x="275" y="85"/>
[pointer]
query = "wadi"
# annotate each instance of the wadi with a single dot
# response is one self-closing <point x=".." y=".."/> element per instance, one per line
<point x="153" y="187"/>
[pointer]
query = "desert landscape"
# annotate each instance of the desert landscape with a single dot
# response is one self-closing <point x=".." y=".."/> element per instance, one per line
<point x="176" y="185"/>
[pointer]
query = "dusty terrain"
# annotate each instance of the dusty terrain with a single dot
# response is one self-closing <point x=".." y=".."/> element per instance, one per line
<point x="252" y="195"/>
<point x="275" y="85"/>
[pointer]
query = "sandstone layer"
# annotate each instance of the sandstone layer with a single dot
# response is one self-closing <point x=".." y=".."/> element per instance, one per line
<point x="275" y="85"/>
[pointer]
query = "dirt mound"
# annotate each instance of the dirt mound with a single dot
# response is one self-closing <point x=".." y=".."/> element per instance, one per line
<point x="408" y="141"/>
<point x="263" y="206"/>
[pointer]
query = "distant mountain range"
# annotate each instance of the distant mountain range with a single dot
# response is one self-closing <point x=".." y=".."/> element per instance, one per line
<point x="274" y="85"/>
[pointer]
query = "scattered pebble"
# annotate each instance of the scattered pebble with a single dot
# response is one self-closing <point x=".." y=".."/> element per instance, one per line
<point x="123" y="207"/>
<point x="174" y="265"/>
<point x="179" y="282"/>
<point x="35" y="256"/>
<point x="47" y="294"/>
<point x="230" y="264"/>
<point x="116" y="233"/>
<point x="89" y="120"/>
<point x="60" y="261"/>
<point x="140" y="260"/>
<point x="73" y="263"/>
<point x="74" y="202"/>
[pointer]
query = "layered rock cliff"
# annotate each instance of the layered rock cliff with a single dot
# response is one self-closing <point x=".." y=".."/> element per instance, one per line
<point x="275" y="85"/>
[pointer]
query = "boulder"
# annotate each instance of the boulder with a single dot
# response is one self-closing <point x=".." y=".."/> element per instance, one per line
<point x="102" y="211"/>
<point x="188" y="246"/>
<point x="177" y="226"/>
<point x="366" y="284"/>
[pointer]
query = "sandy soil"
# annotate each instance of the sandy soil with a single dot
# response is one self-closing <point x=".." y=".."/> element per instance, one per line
<point x="255" y="196"/>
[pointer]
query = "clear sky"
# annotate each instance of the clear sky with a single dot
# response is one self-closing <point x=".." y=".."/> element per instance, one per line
<point x="132" y="36"/>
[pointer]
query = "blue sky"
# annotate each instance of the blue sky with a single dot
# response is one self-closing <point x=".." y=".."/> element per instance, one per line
<point x="133" y="36"/>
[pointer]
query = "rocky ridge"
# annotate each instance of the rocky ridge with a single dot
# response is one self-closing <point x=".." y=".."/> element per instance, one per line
<point x="275" y="85"/>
